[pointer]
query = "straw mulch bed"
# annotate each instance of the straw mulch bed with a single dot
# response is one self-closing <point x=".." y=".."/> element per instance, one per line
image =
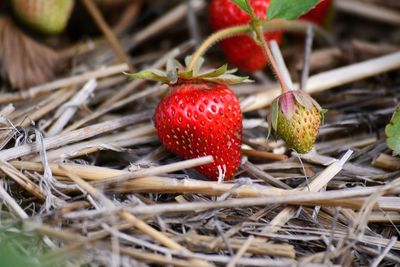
<point x="85" y="181"/>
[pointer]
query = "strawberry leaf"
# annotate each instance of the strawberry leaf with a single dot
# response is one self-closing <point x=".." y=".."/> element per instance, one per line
<point x="172" y="70"/>
<point x="393" y="132"/>
<point x="151" y="74"/>
<point x="214" y="73"/>
<point x="227" y="79"/>
<point x="243" y="5"/>
<point x="322" y="112"/>
<point x="303" y="99"/>
<point x="275" y="113"/>
<point x="289" y="9"/>
<point x="186" y="74"/>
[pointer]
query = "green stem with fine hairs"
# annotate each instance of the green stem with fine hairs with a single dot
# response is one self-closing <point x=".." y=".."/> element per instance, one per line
<point x="266" y="26"/>
<point x="270" y="57"/>
<point x="214" y="38"/>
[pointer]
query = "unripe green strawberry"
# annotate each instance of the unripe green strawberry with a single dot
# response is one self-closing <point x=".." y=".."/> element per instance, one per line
<point x="296" y="118"/>
<point x="46" y="16"/>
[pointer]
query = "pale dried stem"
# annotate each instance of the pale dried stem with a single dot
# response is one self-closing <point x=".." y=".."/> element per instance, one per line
<point x="55" y="100"/>
<point x="259" y="246"/>
<point x="170" y="18"/>
<point x="167" y="20"/>
<point x="107" y="31"/>
<point x="263" y="154"/>
<point x="128" y="16"/>
<point x="11" y="203"/>
<point x="306" y="58"/>
<point x="281" y="66"/>
<point x="315" y="185"/>
<point x="143" y="133"/>
<point x="352" y="198"/>
<point x="242" y="250"/>
<point x="384" y="217"/>
<point x="74" y="136"/>
<point x="133" y="85"/>
<point x="121" y="103"/>
<point x="141" y="225"/>
<point x="21" y="179"/>
<point x="186" y="164"/>
<point x="260" y="174"/>
<point x="370" y="11"/>
<point x="386" y="162"/>
<point x="64" y="82"/>
<point x="68" y="110"/>
<point x="330" y="79"/>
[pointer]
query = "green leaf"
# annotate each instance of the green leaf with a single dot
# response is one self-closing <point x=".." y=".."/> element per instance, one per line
<point x="186" y="74"/>
<point x="275" y="113"/>
<point x="215" y="73"/>
<point x="151" y="74"/>
<point x="243" y="5"/>
<point x="393" y="132"/>
<point x="303" y="99"/>
<point x="172" y="70"/>
<point x="289" y="9"/>
<point x="227" y="79"/>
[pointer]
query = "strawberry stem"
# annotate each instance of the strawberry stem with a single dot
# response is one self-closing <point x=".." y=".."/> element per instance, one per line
<point x="214" y="38"/>
<point x="267" y="51"/>
<point x="258" y="29"/>
<point x="266" y="26"/>
<point x="280" y="62"/>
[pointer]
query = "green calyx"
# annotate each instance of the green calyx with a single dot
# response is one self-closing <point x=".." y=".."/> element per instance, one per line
<point x="177" y="73"/>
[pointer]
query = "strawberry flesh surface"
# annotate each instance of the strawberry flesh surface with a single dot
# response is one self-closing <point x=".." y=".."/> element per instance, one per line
<point x="320" y="13"/>
<point x="197" y="119"/>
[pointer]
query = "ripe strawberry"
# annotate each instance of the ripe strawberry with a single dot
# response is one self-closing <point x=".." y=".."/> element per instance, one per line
<point x="320" y="14"/>
<point x="296" y="118"/>
<point x="241" y="51"/>
<point x="46" y="16"/>
<point x="201" y="119"/>
<point x="200" y="116"/>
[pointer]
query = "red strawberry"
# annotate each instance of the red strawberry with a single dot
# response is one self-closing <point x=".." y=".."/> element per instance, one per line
<point x="196" y="120"/>
<point x="241" y="51"/>
<point x="320" y="13"/>
<point x="200" y="116"/>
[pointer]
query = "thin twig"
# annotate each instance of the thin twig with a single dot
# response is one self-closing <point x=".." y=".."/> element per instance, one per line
<point x="160" y="237"/>
<point x="12" y="203"/>
<point x="110" y="36"/>
<point x="378" y="259"/>
<point x="306" y="59"/>
<point x="330" y="79"/>
<point x="69" y="108"/>
<point x="241" y="251"/>
<point x="74" y="136"/>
